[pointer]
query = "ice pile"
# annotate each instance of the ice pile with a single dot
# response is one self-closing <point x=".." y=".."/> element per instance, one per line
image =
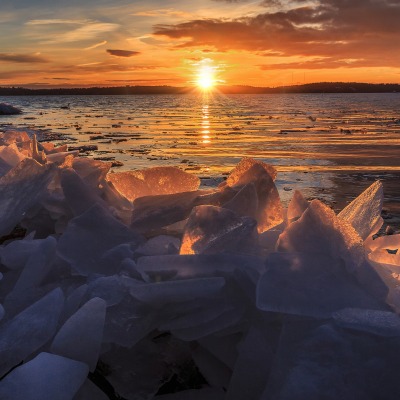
<point x="7" y="109"/>
<point x="141" y="285"/>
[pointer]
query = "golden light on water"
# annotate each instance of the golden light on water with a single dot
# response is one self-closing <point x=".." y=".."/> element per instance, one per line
<point x="205" y="125"/>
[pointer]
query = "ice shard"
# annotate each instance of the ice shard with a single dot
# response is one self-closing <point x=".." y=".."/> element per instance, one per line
<point x="81" y="335"/>
<point x="20" y="189"/>
<point x="153" y="181"/>
<point x="29" y="330"/>
<point x="211" y="229"/>
<point x="364" y="212"/>
<point x="89" y="236"/>
<point x="47" y="376"/>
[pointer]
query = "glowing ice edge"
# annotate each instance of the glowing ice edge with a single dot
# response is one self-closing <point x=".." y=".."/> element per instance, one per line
<point x="259" y="298"/>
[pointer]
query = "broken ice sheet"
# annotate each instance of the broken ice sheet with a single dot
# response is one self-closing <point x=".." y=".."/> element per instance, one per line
<point x="382" y="323"/>
<point x="38" y="265"/>
<point x="211" y="229"/>
<point x="89" y="236"/>
<point x="245" y="202"/>
<point x="195" y="394"/>
<point x="138" y="372"/>
<point x="391" y="242"/>
<point x="158" y="268"/>
<point x="269" y="208"/>
<point x="243" y="173"/>
<point x="81" y="335"/>
<point x="16" y="253"/>
<point x="364" y="212"/>
<point x="20" y="189"/>
<point x="177" y="291"/>
<point x="153" y="181"/>
<point x="232" y="318"/>
<point x="252" y="368"/>
<point x="14" y="136"/>
<point x="154" y="212"/>
<point x="160" y="245"/>
<point x="298" y="204"/>
<point x="89" y="391"/>
<point x="10" y="157"/>
<point x="29" y="330"/>
<point x="313" y="285"/>
<point x="93" y="172"/>
<point x="320" y="231"/>
<point x="321" y="367"/>
<point x="79" y="196"/>
<point x="216" y="373"/>
<point x="47" y="376"/>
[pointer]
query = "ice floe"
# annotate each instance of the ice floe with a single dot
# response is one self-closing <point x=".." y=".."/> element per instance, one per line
<point x="139" y="285"/>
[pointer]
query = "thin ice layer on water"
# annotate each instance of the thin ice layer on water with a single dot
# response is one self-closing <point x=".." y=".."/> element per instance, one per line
<point x="47" y="376"/>
<point x="153" y="181"/>
<point x="364" y="212"/>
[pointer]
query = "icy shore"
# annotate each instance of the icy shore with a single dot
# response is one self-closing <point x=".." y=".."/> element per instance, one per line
<point x="140" y="284"/>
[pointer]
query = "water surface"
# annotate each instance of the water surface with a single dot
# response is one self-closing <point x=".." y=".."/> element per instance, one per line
<point x="330" y="146"/>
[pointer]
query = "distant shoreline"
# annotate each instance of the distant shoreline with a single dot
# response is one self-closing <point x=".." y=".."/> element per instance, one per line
<point x="322" y="87"/>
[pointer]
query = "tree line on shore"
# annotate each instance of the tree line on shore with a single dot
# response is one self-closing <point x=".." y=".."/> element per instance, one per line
<point x="321" y="87"/>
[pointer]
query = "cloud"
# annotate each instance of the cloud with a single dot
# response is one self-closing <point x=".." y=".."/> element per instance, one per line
<point x="326" y="63"/>
<point x="123" y="53"/>
<point x="170" y="12"/>
<point x="107" y="67"/>
<point x="366" y="30"/>
<point x="96" y="45"/>
<point x="56" y="21"/>
<point x="22" y="58"/>
<point x="57" y="31"/>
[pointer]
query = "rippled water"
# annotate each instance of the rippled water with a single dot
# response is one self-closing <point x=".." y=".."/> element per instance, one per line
<point x="329" y="145"/>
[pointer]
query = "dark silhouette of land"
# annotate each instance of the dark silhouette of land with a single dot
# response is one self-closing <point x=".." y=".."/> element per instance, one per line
<point x="322" y="87"/>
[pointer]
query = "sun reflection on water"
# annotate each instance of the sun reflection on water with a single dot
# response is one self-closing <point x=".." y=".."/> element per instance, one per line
<point x="205" y="123"/>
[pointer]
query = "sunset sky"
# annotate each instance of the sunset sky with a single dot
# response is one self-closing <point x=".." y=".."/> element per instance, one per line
<point x="57" y="43"/>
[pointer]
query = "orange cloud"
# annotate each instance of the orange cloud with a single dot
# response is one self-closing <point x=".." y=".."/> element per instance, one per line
<point x="365" y="30"/>
<point x="22" y="58"/>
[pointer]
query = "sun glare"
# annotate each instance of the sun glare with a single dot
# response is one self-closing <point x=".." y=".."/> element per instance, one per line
<point x="205" y="78"/>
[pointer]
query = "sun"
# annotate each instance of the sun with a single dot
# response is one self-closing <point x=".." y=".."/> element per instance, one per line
<point x="205" y="78"/>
